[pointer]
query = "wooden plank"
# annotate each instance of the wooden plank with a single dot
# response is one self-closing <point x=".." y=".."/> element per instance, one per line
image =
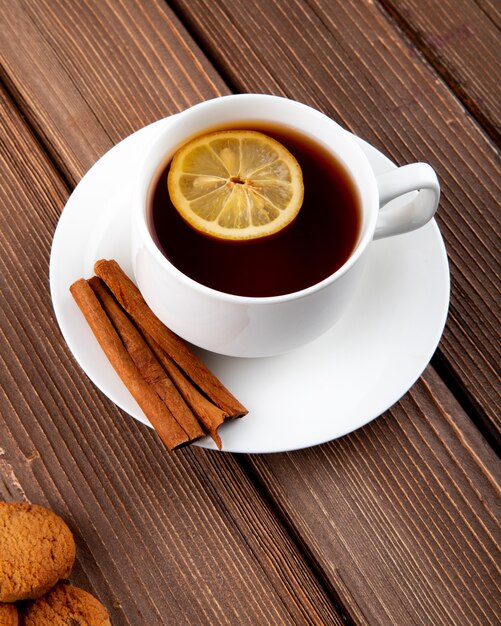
<point x="162" y="538"/>
<point x="462" y="41"/>
<point x="348" y="60"/>
<point x="87" y="74"/>
<point x="491" y="9"/>
<point x="403" y="515"/>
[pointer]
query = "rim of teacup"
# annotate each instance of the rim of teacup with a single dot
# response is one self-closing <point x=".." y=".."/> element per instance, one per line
<point x="208" y="113"/>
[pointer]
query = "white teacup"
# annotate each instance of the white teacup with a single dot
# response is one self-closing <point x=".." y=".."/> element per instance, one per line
<point x="255" y="327"/>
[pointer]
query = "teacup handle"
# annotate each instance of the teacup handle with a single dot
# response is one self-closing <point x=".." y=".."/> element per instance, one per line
<point x="418" y="177"/>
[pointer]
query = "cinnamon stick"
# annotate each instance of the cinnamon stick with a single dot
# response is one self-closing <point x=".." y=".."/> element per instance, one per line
<point x="155" y="410"/>
<point x="210" y="416"/>
<point x="132" y="301"/>
<point x="146" y="362"/>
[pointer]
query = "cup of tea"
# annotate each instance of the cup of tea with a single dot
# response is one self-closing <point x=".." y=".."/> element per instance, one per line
<point x="269" y="295"/>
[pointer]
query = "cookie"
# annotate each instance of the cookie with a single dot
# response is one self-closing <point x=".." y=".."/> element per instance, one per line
<point x="36" y="550"/>
<point x="8" y="615"/>
<point x="65" y="605"/>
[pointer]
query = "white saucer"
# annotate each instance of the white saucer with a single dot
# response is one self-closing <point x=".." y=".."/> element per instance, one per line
<point x="320" y="392"/>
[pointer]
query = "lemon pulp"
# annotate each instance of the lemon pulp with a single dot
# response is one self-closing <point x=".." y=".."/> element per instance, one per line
<point x="236" y="184"/>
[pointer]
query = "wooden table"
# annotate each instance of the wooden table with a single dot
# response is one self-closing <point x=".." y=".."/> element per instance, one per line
<point x="396" y="523"/>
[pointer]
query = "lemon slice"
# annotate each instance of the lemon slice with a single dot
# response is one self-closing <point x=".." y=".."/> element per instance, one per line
<point x="236" y="184"/>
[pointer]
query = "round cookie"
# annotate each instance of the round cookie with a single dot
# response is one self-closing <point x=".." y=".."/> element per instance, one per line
<point x="66" y="605"/>
<point x="8" y="615"/>
<point x="36" y="550"/>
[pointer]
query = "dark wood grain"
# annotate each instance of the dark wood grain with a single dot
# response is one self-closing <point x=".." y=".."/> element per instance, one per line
<point x="99" y="70"/>
<point x="491" y="9"/>
<point x="162" y="538"/>
<point x="348" y="60"/>
<point x="462" y="40"/>
<point x="403" y="515"/>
